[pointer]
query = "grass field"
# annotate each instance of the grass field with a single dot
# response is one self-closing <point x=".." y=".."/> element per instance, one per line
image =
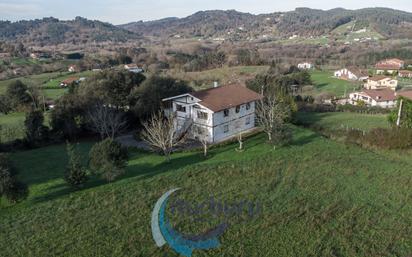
<point x="12" y="126"/>
<point x="339" y="120"/>
<point x="50" y="82"/>
<point x="319" y="197"/>
<point x="324" y="82"/>
<point x="225" y="75"/>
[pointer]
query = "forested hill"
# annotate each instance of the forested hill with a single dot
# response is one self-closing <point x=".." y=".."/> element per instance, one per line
<point x="302" y="21"/>
<point x="50" y="31"/>
<point x="305" y="21"/>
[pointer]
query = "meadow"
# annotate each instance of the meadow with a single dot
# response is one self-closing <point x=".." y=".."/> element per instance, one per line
<point x="342" y="120"/>
<point x="324" y="81"/>
<point x="319" y="198"/>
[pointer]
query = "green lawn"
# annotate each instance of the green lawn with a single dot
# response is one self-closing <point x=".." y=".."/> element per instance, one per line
<point x="325" y="82"/>
<point x="339" y="120"/>
<point x="50" y="82"/>
<point x="12" y="126"/>
<point x="319" y="197"/>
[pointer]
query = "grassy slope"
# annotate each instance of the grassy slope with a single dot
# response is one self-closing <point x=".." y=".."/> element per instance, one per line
<point x="338" y="120"/>
<point x="225" y="75"/>
<point x="49" y="80"/>
<point x="324" y="82"/>
<point x="320" y="198"/>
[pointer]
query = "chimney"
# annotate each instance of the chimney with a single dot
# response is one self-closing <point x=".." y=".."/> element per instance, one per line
<point x="215" y="84"/>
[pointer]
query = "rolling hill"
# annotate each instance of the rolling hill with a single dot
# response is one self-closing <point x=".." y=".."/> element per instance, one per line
<point x="52" y="31"/>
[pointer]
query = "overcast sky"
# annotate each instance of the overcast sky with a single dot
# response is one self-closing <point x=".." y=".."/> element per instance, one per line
<point x="123" y="11"/>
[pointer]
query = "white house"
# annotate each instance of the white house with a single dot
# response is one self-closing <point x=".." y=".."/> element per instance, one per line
<point x="73" y="68"/>
<point x="214" y="114"/>
<point x="385" y="98"/>
<point x="133" y="68"/>
<point x="351" y="74"/>
<point x="390" y="66"/>
<point x="305" y="66"/>
<point x="378" y="82"/>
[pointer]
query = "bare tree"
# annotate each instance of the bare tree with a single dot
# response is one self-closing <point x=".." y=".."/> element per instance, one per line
<point x="161" y="134"/>
<point x="205" y="144"/>
<point x="106" y="121"/>
<point x="270" y="114"/>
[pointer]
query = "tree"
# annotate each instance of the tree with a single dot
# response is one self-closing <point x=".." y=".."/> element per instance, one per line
<point x="5" y="105"/>
<point x="35" y="130"/>
<point x="18" y="94"/>
<point x="402" y="113"/>
<point x="108" y="158"/>
<point x="10" y="187"/>
<point x="148" y="97"/>
<point x="112" y="87"/>
<point x="106" y="121"/>
<point x="271" y="115"/>
<point x="161" y="134"/>
<point x="75" y="175"/>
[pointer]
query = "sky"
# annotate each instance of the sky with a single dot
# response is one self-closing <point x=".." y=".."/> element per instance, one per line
<point x="124" y="11"/>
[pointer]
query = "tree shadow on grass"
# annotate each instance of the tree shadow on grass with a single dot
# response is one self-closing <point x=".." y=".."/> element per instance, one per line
<point x="140" y="171"/>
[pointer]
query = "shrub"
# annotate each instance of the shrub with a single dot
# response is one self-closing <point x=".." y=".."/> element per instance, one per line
<point x="75" y="175"/>
<point x="35" y="130"/>
<point x="10" y="187"/>
<point x="108" y="158"/>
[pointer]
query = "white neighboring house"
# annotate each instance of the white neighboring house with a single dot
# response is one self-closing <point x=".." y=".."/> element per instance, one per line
<point x="133" y="68"/>
<point x="378" y="82"/>
<point x="305" y="66"/>
<point x="385" y="98"/>
<point x="215" y="114"/>
<point x="351" y="74"/>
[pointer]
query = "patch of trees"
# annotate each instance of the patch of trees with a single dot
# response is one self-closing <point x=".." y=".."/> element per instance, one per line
<point x="201" y="60"/>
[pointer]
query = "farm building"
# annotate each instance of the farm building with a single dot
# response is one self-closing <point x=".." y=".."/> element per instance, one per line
<point x="385" y="98"/>
<point x="351" y="74"/>
<point x="305" y="66"/>
<point x="378" y="82"/>
<point x="389" y="66"/>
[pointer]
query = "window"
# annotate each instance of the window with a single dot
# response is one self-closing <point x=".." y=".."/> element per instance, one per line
<point x="202" y="115"/>
<point x="226" y="113"/>
<point x="248" y="106"/>
<point x="247" y="120"/>
<point x="238" y="109"/>
<point x="225" y="128"/>
<point x="180" y="108"/>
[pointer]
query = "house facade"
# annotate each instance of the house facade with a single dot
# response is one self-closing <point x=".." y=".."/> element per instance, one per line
<point x="214" y="115"/>
<point x="378" y="82"/>
<point x="384" y="98"/>
<point x="133" y="68"/>
<point x="305" y="66"/>
<point x="351" y="74"/>
<point x="405" y="74"/>
<point x="389" y="66"/>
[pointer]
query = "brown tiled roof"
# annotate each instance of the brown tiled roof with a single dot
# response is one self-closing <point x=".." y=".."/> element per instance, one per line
<point x="69" y="80"/>
<point x="390" y="64"/>
<point x="381" y="95"/>
<point x="406" y="72"/>
<point x="379" y="78"/>
<point x="406" y="94"/>
<point x="224" y="97"/>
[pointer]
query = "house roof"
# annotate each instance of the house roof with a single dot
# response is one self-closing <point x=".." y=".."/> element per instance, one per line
<point x="406" y="94"/>
<point x="381" y="95"/>
<point x="70" y="80"/>
<point x="390" y="64"/>
<point x="379" y="78"/>
<point x="224" y="97"/>
<point x="405" y="72"/>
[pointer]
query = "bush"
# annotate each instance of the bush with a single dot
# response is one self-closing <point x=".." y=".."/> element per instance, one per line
<point x="281" y="135"/>
<point x="10" y="187"/>
<point x="35" y="130"/>
<point x="108" y="158"/>
<point x="76" y="175"/>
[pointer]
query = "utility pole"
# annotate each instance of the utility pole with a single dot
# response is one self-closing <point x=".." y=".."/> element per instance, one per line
<point x="398" y="121"/>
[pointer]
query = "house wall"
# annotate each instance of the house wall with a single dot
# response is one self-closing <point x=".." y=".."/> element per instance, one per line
<point x="385" y="83"/>
<point x="346" y="74"/>
<point x="236" y="122"/>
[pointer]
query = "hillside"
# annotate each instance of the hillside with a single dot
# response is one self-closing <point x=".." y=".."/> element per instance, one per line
<point x="51" y="31"/>
<point x="302" y="21"/>
<point x="319" y="198"/>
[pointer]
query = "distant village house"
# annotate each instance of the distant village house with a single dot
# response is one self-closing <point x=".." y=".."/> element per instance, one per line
<point x="405" y="74"/>
<point x="133" y="68"/>
<point x="378" y="82"/>
<point x="305" y="66"/>
<point x="353" y="74"/>
<point x="384" y="98"/>
<point x="67" y="82"/>
<point x="215" y="114"/>
<point x="389" y="66"/>
<point x="73" y="68"/>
